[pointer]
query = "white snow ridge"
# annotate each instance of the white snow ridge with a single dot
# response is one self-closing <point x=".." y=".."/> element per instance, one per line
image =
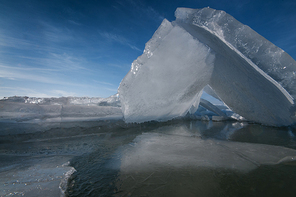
<point x="208" y="47"/>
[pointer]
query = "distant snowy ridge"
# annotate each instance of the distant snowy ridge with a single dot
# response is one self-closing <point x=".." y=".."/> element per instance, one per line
<point x="34" y="110"/>
<point x="209" y="48"/>
<point x="111" y="101"/>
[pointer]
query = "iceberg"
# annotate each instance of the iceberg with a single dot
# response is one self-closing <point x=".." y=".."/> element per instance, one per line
<point x="209" y="48"/>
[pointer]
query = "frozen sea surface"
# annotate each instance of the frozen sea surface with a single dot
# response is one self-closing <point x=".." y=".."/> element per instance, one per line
<point x="175" y="158"/>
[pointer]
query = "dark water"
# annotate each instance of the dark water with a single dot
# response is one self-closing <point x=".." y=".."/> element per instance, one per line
<point x="176" y="158"/>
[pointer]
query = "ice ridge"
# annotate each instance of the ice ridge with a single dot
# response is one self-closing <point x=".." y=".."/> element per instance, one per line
<point x="208" y="47"/>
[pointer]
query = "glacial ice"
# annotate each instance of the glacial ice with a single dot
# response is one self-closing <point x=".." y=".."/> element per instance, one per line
<point x="208" y="47"/>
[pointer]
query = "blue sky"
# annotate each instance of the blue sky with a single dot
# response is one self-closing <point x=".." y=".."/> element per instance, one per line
<point x="54" y="48"/>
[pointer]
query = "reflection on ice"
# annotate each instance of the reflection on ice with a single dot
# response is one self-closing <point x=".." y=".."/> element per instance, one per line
<point x="176" y="158"/>
<point x="181" y="161"/>
<point x="178" y="148"/>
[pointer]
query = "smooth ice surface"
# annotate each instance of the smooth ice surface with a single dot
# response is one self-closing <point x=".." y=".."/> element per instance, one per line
<point x="151" y="151"/>
<point x="181" y="161"/>
<point x="253" y="77"/>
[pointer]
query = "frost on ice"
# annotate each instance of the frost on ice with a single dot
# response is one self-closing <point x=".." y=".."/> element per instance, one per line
<point x="207" y="47"/>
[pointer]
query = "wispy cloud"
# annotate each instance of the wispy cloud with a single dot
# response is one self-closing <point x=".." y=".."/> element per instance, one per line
<point x="54" y="33"/>
<point x="12" y="68"/>
<point x="152" y="13"/>
<point x="17" y="43"/>
<point x="148" y="11"/>
<point x="111" y="89"/>
<point x="74" y="22"/>
<point x="103" y="82"/>
<point x="120" y="39"/>
<point x="26" y="74"/>
<point x="18" y="91"/>
<point x="50" y="62"/>
<point x="65" y="50"/>
<point x="35" y="42"/>
<point x="66" y="61"/>
<point x="61" y="93"/>
<point x="124" y="66"/>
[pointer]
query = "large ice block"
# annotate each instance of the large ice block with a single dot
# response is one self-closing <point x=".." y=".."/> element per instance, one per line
<point x="252" y="76"/>
<point x="168" y="78"/>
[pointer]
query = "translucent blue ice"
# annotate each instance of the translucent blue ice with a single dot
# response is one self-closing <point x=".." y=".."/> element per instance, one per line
<point x="252" y="76"/>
